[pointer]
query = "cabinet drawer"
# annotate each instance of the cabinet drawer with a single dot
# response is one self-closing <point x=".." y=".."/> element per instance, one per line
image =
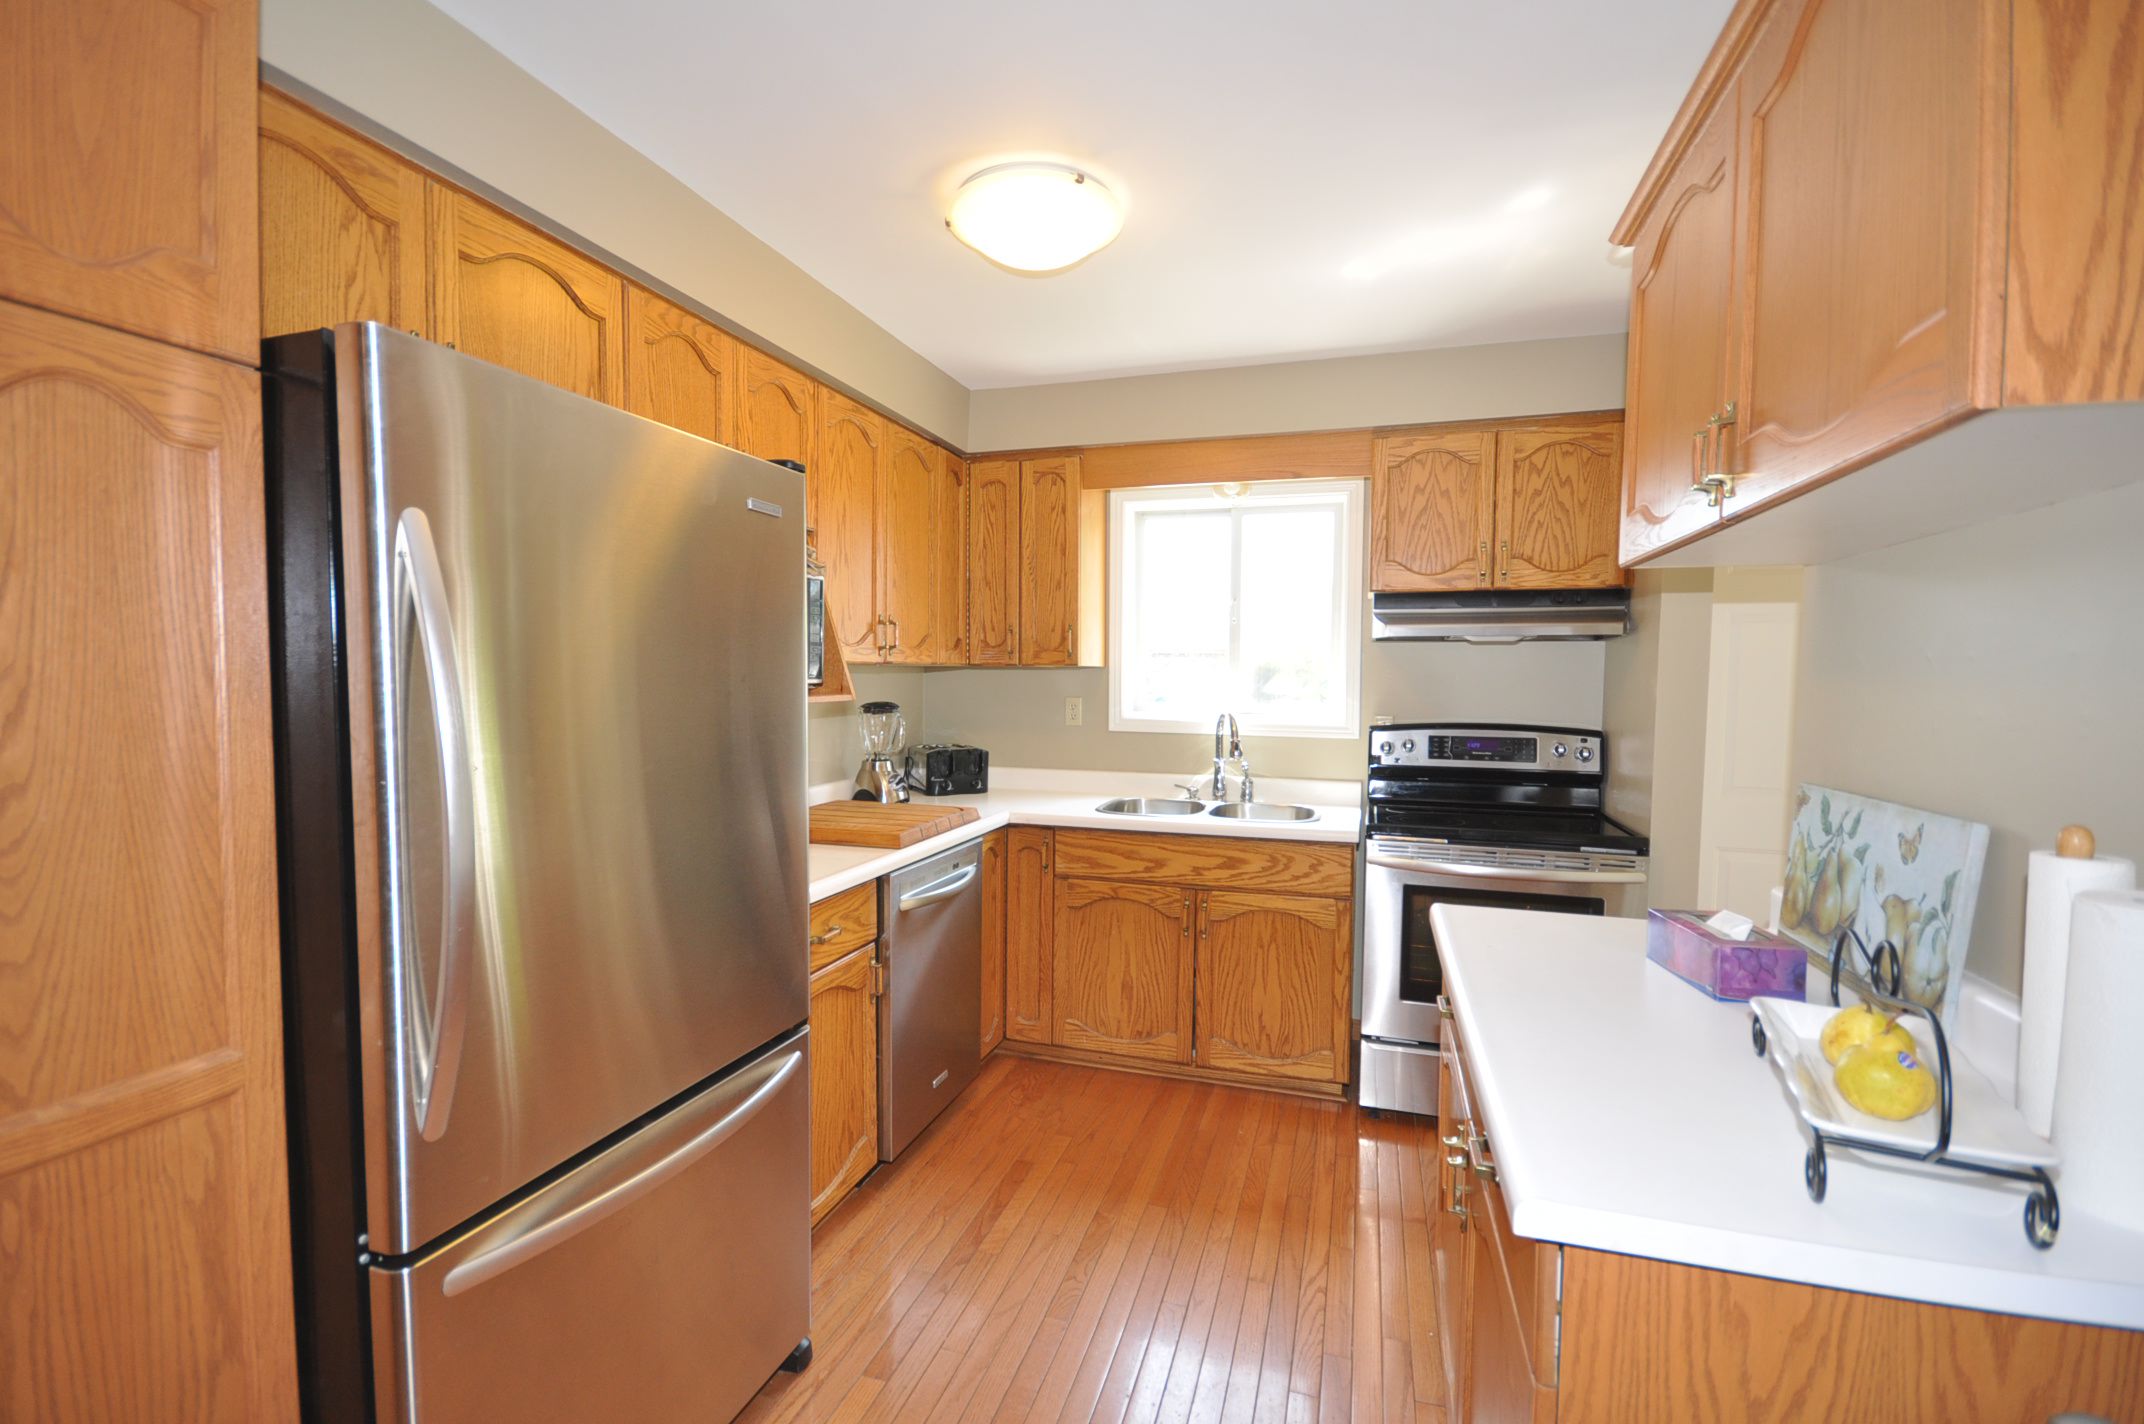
<point x="843" y="923"/>
<point x="1217" y="861"/>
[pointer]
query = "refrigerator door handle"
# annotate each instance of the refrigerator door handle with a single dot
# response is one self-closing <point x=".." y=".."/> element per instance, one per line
<point x="590" y="1202"/>
<point x="437" y="1030"/>
<point x="938" y="890"/>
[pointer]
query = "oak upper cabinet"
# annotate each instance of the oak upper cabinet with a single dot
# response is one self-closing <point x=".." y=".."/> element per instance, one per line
<point x="1274" y="991"/>
<point x="1120" y="978"/>
<point x="1556" y="515"/>
<point x="922" y="534"/>
<point x="1679" y="383"/>
<point x="144" y="1228"/>
<point x="1049" y="562"/>
<point x="1430" y="518"/>
<point x="993" y="1017"/>
<point x="342" y="226"/>
<point x="1863" y="127"/>
<point x="994" y="563"/>
<point x="1030" y="926"/>
<point x="127" y="196"/>
<point x="845" y="494"/>
<point x="505" y="293"/>
<point x="778" y="414"/>
<point x="680" y="369"/>
<point x="844" y="1077"/>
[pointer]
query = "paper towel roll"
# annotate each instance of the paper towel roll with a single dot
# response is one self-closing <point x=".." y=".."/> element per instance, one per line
<point x="2099" y="1085"/>
<point x="2052" y="882"/>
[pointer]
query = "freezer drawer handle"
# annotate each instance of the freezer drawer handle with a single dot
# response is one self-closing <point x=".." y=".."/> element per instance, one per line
<point x="938" y="890"/>
<point x="420" y="594"/>
<point x="591" y="1202"/>
<point x="1505" y="872"/>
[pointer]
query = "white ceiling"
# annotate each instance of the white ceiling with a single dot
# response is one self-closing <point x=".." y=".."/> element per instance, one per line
<point x="1300" y="180"/>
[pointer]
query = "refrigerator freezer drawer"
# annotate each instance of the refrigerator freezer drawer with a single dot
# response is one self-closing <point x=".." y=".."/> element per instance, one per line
<point x="665" y="1278"/>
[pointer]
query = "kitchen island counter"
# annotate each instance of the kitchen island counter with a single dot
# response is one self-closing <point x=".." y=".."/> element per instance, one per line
<point x="1627" y="1113"/>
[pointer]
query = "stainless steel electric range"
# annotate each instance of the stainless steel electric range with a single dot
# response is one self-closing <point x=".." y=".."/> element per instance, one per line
<point x="1476" y="814"/>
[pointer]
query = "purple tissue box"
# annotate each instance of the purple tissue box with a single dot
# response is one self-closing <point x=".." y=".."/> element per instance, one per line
<point x="1680" y="942"/>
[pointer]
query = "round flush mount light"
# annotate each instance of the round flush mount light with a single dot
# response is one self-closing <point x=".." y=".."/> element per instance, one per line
<point x="1035" y="217"/>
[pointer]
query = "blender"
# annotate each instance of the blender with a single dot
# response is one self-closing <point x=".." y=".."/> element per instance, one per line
<point x="879" y="778"/>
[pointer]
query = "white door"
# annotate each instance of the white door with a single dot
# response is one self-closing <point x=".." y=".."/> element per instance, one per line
<point x="1742" y="837"/>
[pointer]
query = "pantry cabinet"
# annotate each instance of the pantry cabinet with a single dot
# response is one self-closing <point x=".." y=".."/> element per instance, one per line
<point x="1120" y="979"/>
<point x="1517" y="505"/>
<point x="129" y="185"/>
<point x="1030" y="926"/>
<point x="342" y="226"/>
<point x="993" y="977"/>
<point x="844" y="1077"/>
<point x="680" y="368"/>
<point x="503" y="292"/>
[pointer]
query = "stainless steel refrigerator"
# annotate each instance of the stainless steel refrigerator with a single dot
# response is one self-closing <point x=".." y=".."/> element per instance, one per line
<point x="539" y="682"/>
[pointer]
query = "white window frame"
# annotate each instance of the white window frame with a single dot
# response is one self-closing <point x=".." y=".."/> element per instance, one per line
<point x="1347" y="607"/>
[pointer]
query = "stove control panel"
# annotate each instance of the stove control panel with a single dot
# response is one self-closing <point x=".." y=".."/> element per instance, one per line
<point x="1510" y="748"/>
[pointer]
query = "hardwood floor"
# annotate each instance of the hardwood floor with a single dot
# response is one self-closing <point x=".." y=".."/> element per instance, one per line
<point x="1071" y="1243"/>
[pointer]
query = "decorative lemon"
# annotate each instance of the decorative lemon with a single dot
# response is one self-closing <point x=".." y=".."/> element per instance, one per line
<point x="1886" y="1081"/>
<point x="1857" y="1024"/>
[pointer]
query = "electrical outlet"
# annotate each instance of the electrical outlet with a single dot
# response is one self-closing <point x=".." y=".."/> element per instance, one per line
<point x="1075" y="711"/>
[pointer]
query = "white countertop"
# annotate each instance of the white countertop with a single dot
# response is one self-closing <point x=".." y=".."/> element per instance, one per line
<point x="1627" y="1112"/>
<point x="1033" y="797"/>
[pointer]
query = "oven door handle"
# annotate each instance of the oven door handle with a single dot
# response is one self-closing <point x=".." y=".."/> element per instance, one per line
<point x="1504" y="872"/>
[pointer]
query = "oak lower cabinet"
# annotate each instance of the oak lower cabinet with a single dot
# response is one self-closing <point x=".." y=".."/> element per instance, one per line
<point x="1521" y="505"/>
<point x="844" y="1077"/>
<point x="1120" y="978"/>
<point x="503" y="292"/>
<point x="1268" y="999"/>
<point x="993" y="980"/>
<point x="1030" y="926"/>
<point x="145" y="1267"/>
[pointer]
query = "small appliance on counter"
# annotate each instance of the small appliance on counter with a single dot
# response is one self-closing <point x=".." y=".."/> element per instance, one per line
<point x="884" y="730"/>
<point x="948" y="769"/>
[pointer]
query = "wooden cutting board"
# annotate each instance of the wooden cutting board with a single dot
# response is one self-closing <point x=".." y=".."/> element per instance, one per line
<point x="868" y="823"/>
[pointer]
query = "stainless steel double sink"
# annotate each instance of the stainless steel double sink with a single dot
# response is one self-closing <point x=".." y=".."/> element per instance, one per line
<point x="1226" y="810"/>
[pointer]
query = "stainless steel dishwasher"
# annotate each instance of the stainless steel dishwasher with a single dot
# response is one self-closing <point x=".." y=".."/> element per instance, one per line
<point x="930" y="1016"/>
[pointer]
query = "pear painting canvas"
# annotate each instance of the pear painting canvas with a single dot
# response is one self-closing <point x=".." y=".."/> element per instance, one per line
<point x="1888" y="872"/>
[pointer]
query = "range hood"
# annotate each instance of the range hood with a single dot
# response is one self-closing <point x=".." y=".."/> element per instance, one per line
<point x="1501" y="615"/>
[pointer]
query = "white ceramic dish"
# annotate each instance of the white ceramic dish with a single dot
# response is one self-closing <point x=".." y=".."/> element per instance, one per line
<point x="1985" y="1127"/>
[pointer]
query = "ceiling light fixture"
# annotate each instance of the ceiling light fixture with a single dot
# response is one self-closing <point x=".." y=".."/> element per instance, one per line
<point x="1035" y="217"/>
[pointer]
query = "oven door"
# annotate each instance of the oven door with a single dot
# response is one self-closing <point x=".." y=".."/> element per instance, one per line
<point x="1402" y="975"/>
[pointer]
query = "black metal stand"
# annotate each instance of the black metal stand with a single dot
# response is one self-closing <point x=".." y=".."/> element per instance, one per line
<point x="2043" y="1209"/>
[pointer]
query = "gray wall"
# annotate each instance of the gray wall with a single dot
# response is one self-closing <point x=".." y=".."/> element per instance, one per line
<point x="1654" y="704"/>
<point x="406" y="71"/>
<point x="1342" y="393"/>
<point x="1995" y="673"/>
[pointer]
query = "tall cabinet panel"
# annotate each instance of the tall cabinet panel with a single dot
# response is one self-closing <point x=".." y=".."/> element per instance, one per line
<point x="505" y="293"/>
<point x="1049" y="561"/>
<point x="912" y="472"/>
<point x="994" y="563"/>
<point x="342" y="226"/>
<point x="993" y="1017"/>
<point x="127" y="195"/>
<point x="949" y="560"/>
<point x="846" y="513"/>
<point x="680" y="369"/>
<point x="144" y="1229"/>
<point x="1030" y="925"/>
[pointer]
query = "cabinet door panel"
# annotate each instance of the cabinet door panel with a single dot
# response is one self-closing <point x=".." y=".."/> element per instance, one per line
<point x="1430" y="511"/>
<point x="1049" y="561"/>
<point x="680" y="369"/>
<point x="844" y="1077"/>
<point x="1273" y="977"/>
<point x="505" y="293"/>
<point x="128" y="193"/>
<point x="1030" y="927"/>
<point x="1448" y="1228"/>
<point x="993" y="1017"/>
<point x="908" y="547"/>
<point x="994" y="563"/>
<point x="846" y="511"/>
<point x="1863" y="154"/>
<point x="949" y="560"/>
<point x="1556" y="492"/>
<point x="1681" y="342"/>
<point x="342" y="226"/>
<point x="144" y="1228"/>
<point x="778" y="414"/>
<point x="1120" y="977"/>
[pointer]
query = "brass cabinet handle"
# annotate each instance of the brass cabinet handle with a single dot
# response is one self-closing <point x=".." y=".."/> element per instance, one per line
<point x="1713" y="481"/>
<point x="1456" y="1142"/>
<point x="1456" y="1206"/>
<point x="1485" y="561"/>
<point x="1444" y="1007"/>
<point x="1477" y="1156"/>
<point x="1503" y="563"/>
<point x="833" y="932"/>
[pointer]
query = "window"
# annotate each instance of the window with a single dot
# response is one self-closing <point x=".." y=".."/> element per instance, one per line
<point x="1248" y="603"/>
